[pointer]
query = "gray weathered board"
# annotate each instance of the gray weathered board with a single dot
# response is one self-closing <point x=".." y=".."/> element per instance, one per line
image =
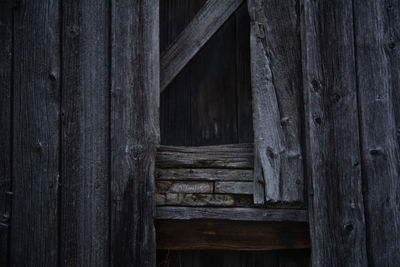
<point x="135" y="96"/>
<point x="277" y="90"/>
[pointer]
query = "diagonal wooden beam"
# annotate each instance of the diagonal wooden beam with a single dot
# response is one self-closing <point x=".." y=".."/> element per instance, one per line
<point x="206" y="22"/>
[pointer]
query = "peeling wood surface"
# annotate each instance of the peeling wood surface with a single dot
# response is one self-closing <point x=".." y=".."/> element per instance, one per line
<point x="230" y="235"/>
<point x="277" y="98"/>
<point x="235" y="214"/>
<point x="206" y="22"/>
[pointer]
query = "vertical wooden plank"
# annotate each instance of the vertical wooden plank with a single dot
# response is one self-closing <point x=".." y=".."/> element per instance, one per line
<point x="85" y="134"/>
<point x="243" y="83"/>
<point x="175" y="122"/>
<point x="213" y="89"/>
<point x="34" y="224"/>
<point x="336" y="208"/>
<point x="134" y="130"/>
<point x="377" y="37"/>
<point x="5" y="124"/>
<point x="276" y="84"/>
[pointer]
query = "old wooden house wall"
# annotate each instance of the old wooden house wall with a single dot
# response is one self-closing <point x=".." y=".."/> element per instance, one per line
<point x="79" y="121"/>
<point x="59" y="175"/>
<point x="209" y="103"/>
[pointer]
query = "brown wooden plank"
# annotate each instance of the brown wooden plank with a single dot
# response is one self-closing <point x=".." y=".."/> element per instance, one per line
<point x="6" y="31"/>
<point x="238" y="156"/>
<point x="36" y="123"/>
<point x="205" y="174"/>
<point x="134" y="130"/>
<point x="85" y="151"/>
<point x="235" y="214"/>
<point x="234" y="187"/>
<point x="336" y="205"/>
<point x="376" y="27"/>
<point x="208" y="20"/>
<point x="276" y="85"/>
<point x="230" y="235"/>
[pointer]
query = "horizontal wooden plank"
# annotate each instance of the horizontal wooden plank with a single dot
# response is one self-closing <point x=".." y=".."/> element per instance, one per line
<point x="184" y="187"/>
<point x="239" y="156"/>
<point x="205" y="174"/>
<point x="194" y="199"/>
<point x="234" y="214"/>
<point x="206" y="22"/>
<point x="234" y="187"/>
<point x="231" y="235"/>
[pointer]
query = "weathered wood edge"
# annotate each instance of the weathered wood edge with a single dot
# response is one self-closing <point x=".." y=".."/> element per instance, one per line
<point x="276" y="56"/>
<point x="235" y="214"/>
<point x="206" y="22"/>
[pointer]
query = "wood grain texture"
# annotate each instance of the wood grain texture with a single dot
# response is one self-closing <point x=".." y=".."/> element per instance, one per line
<point x="230" y="235"/>
<point x="85" y="134"/>
<point x="229" y="258"/>
<point x="234" y="187"/>
<point x="6" y="33"/>
<point x="336" y="205"/>
<point x="277" y="86"/>
<point x="204" y="174"/>
<point x="36" y="124"/>
<point x="184" y="187"/>
<point x="175" y="102"/>
<point x="208" y="20"/>
<point x="235" y="214"/>
<point x="376" y="33"/>
<point x="237" y="156"/>
<point x="194" y="200"/>
<point x="134" y="130"/>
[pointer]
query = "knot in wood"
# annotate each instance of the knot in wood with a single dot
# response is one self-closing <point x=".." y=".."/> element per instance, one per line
<point x="316" y="85"/>
<point x="348" y="228"/>
<point x="73" y="31"/>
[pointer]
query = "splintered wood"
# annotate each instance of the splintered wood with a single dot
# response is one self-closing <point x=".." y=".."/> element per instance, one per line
<point x="205" y="176"/>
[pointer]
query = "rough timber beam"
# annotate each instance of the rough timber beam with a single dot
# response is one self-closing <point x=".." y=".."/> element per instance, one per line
<point x="206" y="22"/>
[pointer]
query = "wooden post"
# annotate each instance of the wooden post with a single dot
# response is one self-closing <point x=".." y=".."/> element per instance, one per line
<point x="276" y="85"/>
<point x="5" y="124"/>
<point x="36" y="135"/>
<point x="336" y="208"/>
<point x="85" y="150"/>
<point x="134" y="130"/>
<point x="378" y="70"/>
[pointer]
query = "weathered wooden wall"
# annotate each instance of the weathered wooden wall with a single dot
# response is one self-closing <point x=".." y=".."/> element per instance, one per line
<point x="75" y="161"/>
<point x="79" y="127"/>
<point x="350" y="75"/>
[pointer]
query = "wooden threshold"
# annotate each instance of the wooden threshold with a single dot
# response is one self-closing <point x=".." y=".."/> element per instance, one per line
<point x="230" y="235"/>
